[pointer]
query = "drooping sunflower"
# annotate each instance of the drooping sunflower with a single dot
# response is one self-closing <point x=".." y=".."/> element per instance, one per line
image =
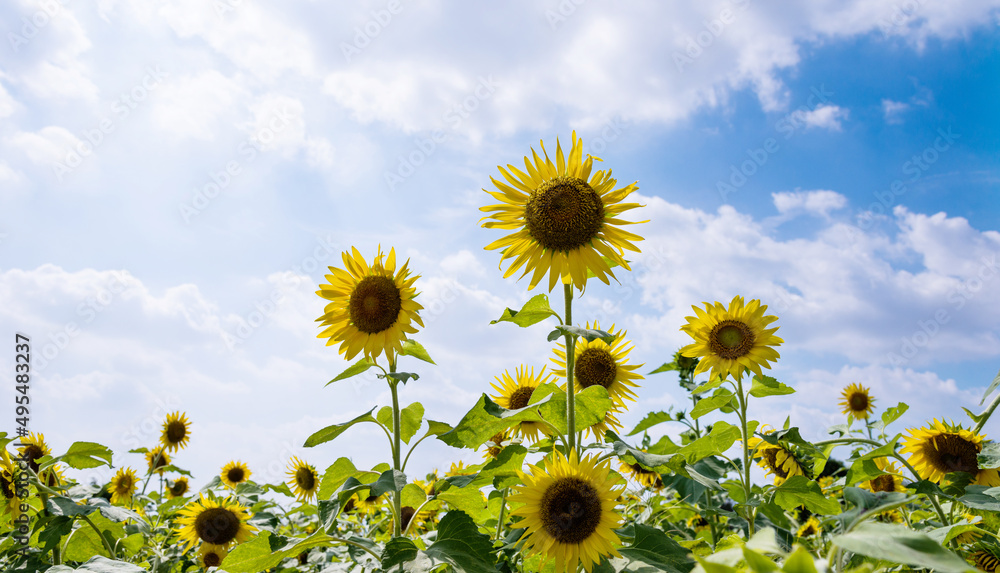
<point x="775" y="459"/>
<point x="178" y="488"/>
<point x="211" y="555"/>
<point x="34" y="448"/>
<point x="809" y="528"/>
<point x="123" y="485"/>
<point x="940" y="448"/>
<point x="496" y="444"/>
<point x="731" y="341"/>
<point x="157" y="459"/>
<point x="235" y="473"/>
<point x="369" y="504"/>
<point x="372" y="308"/>
<point x="564" y="218"/>
<point x="568" y="511"/>
<point x="857" y="403"/>
<point x="176" y="432"/>
<point x="303" y="479"/>
<point x="986" y="558"/>
<point x="890" y="481"/>
<point x="515" y="393"/>
<point x="216" y="521"/>
<point x="646" y="478"/>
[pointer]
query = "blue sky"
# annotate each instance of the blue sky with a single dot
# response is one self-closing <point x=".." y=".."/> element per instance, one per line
<point x="172" y="173"/>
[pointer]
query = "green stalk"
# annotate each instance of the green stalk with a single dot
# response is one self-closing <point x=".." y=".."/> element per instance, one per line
<point x="570" y="359"/>
<point x="503" y="505"/>
<point x="397" y="499"/>
<point x="751" y="513"/>
<point x="107" y="545"/>
<point x="986" y="415"/>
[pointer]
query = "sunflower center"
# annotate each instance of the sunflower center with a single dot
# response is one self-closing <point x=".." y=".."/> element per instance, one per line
<point x="176" y="431"/>
<point x="771" y="457"/>
<point x="883" y="482"/>
<point x="405" y="515"/>
<point x="858" y="402"/>
<point x="955" y="454"/>
<point x="179" y="488"/>
<point x="731" y="339"/>
<point x="33" y="453"/>
<point x="236" y="475"/>
<point x="305" y="479"/>
<point x="7" y="485"/>
<point x="570" y="510"/>
<point x="564" y="213"/>
<point x="375" y="304"/>
<point x="211" y="559"/>
<point x="519" y="399"/>
<point x="217" y="525"/>
<point x="157" y="461"/>
<point x="595" y="366"/>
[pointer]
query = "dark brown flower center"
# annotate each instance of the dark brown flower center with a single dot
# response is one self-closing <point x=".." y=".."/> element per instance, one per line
<point x="7" y="484"/>
<point x="212" y="559"/>
<point x="375" y="304"/>
<point x="771" y="457"/>
<point x="953" y="453"/>
<point x="884" y="482"/>
<point x="731" y="339"/>
<point x="570" y="510"/>
<point x="519" y="399"/>
<point x="32" y="454"/>
<point x="157" y="460"/>
<point x="564" y="213"/>
<point x="176" y="432"/>
<point x="236" y="475"/>
<point x="179" y="488"/>
<point x="858" y="402"/>
<point x="406" y="513"/>
<point x="595" y="366"/>
<point x="305" y="478"/>
<point x="217" y="525"/>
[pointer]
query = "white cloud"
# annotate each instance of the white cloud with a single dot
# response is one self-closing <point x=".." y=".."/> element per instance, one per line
<point x="7" y="103"/>
<point x="47" y="146"/>
<point x="813" y="202"/>
<point x="193" y="105"/>
<point x="893" y="110"/>
<point x="824" y="116"/>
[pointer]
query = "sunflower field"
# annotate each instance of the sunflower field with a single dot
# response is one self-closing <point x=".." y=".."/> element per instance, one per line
<point x="563" y="486"/>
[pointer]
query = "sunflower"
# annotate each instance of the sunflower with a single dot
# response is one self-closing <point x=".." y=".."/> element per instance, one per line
<point x="157" y="459"/>
<point x="178" y="488"/>
<point x="809" y="528"/>
<point x="211" y="555"/>
<point x="776" y="459"/>
<point x="731" y="341"/>
<point x="234" y="473"/>
<point x="34" y="448"/>
<point x="856" y="402"/>
<point x="8" y="485"/>
<point x="176" y="432"/>
<point x="698" y="523"/>
<point x="496" y="444"/>
<point x="123" y="485"/>
<point x="646" y="478"/>
<point x="219" y="522"/>
<point x="303" y="479"/>
<point x="564" y="218"/>
<point x="369" y="504"/>
<point x="372" y="308"/>
<point x="515" y="393"/>
<point x="568" y="511"/>
<point x="428" y="484"/>
<point x="986" y="558"/>
<point x="891" y="480"/>
<point x="942" y="448"/>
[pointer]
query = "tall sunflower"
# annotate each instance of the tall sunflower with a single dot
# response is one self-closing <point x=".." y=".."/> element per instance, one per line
<point x="940" y="449"/>
<point x="809" y="528"/>
<point x="303" y="479"/>
<point x="157" y="459"/>
<point x="891" y="480"/>
<point x="776" y="459"/>
<point x="178" y="487"/>
<point x="515" y="393"/>
<point x="235" y="473"/>
<point x="857" y="403"/>
<point x="34" y="448"/>
<point x="564" y="218"/>
<point x="568" y="511"/>
<point x="123" y="485"/>
<point x="212" y="555"/>
<point x="216" y="521"/>
<point x="176" y="432"/>
<point x="731" y="341"/>
<point x="372" y="308"/>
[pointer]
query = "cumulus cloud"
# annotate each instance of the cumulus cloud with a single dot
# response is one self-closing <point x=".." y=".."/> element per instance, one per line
<point x="812" y="202"/>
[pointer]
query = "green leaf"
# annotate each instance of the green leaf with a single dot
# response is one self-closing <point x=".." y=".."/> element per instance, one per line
<point x="767" y="386"/>
<point x="710" y="385"/>
<point x="898" y="544"/>
<point x="945" y="534"/>
<point x="800" y="561"/>
<point x="85" y="543"/>
<point x="412" y="495"/>
<point x="721" y="398"/>
<point x="883" y="451"/>
<point x="799" y="490"/>
<point x="589" y="334"/>
<point x="667" y="367"/>
<point x="83" y="455"/>
<point x="862" y="470"/>
<point x="989" y="458"/>
<point x="403" y="377"/>
<point x="59" y="505"/>
<point x="872" y="501"/>
<point x="534" y="311"/>
<point x="655" y="548"/>
<point x="892" y="414"/>
<point x="100" y="564"/>
<point x="335" y="476"/>
<point x="410" y="420"/>
<point x="397" y="551"/>
<point x="390" y="480"/>
<point x="353" y="370"/>
<point x="460" y="544"/>
<point x="330" y="432"/>
<point x="982" y="497"/>
<point x="651" y="419"/>
<point x="413" y="348"/>
<point x="721" y="438"/>
<point x="467" y="499"/>
<point x="260" y="553"/>
<point x="989" y="390"/>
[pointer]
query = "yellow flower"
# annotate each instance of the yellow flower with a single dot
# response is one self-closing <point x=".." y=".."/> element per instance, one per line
<point x="34" y="448"/>
<point x="731" y="341"/>
<point x="123" y="485"/>
<point x="303" y="479"/>
<point x="856" y="402"/>
<point x="219" y="522"/>
<point x="496" y="444"/>
<point x="157" y="459"/>
<point x="372" y="308"/>
<point x="698" y="523"/>
<point x="211" y="555"/>
<point x="8" y="487"/>
<point x="564" y="218"/>
<point x="646" y="478"/>
<point x="178" y="488"/>
<point x="942" y="448"/>
<point x="235" y="473"/>
<point x="369" y="504"/>
<point x="176" y="432"/>
<point x="515" y="393"/>
<point x="809" y="528"/>
<point x="775" y="459"/>
<point x="985" y="560"/>
<point x="892" y="480"/>
<point x="568" y="511"/>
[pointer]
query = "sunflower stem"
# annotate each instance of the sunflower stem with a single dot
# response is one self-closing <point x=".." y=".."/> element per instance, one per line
<point x="986" y="414"/>
<point x="397" y="498"/>
<point x="570" y="359"/>
<point x="111" y="551"/>
<point x="751" y="514"/>
<point x="503" y="505"/>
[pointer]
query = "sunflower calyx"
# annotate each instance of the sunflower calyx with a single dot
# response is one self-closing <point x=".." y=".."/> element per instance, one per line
<point x="589" y="334"/>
